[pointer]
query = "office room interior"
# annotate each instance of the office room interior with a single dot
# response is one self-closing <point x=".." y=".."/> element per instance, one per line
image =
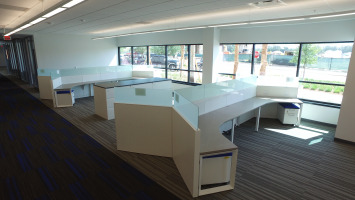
<point x="117" y="99"/>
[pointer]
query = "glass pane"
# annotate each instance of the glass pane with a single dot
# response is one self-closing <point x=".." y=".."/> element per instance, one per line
<point x="196" y="57"/>
<point x="224" y="77"/>
<point x="139" y="55"/>
<point x="125" y="56"/>
<point x="236" y="55"/>
<point x="187" y="109"/>
<point x="159" y="73"/>
<point x="178" y="57"/>
<point x="157" y="56"/>
<point x="280" y="60"/>
<point x="177" y="75"/>
<point x="157" y="60"/>
<point x="324" y="63"/>
<point x="196" y="77"/>
<point x="321" y="92"/>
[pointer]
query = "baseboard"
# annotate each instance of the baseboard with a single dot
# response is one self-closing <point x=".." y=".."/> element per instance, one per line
<point x="318" y="122"/>
<point x="343" y="141"/>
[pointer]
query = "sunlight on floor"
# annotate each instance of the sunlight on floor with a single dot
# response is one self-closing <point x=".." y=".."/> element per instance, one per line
<point x="315" y="141"/>
<point x="313" y="129"/>
<point x="297" y="132"/>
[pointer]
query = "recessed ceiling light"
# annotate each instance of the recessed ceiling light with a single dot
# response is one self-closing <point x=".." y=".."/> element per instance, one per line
<point x="273" y="21"/>
<point x="220" y="25"/>
<point x="327" y="16"/>
<point x="180" y="29"/>
<point x="72" y="3"/>
<point x="37" y="20"/>
<point x="54" y="12"/>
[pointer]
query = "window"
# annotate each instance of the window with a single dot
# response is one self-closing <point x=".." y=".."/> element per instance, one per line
<point x="183" y="63"/>
<point x="139" y="55"/>
<point x="157" y="58"/>
<point x="196" y="56"/>
<point x="322" y="67"/>
<point x="279" y="59"/>
<point x="237" y="60"/>
<point x="178" y="62"/>
<point x="323" y="71"/>
<point x="125" y="55"/>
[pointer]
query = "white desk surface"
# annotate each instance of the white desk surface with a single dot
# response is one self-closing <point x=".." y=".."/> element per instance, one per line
<point x="71" y="85"/>
<point x="211" y="139"/>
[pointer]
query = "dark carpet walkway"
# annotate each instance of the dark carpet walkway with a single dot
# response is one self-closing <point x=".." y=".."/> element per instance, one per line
<point x="287" y="162"/>
<point x="43" y="156"/>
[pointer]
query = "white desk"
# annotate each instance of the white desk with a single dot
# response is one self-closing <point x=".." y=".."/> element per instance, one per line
<point x="211" y="138"/>
<point x="212" y="142"/>
<point x="104" y="97"/>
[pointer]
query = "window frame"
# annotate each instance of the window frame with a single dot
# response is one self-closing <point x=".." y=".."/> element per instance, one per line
<point x="322" y="103"/>
<point x="188" y="70"/>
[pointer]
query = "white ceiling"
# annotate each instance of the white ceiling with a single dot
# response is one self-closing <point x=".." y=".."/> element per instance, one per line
<point x="111" y="17"/>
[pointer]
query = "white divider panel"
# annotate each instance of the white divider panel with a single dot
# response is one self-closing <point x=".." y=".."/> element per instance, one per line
<point x="57" y="82"/>
<point x="186" y="151"/>
<point x="124" y="74"/>
<point x="241" y="95"/>
<point x="45" y="87"/>
<point x="107" y="76"/>
<point x="140" y="129"/>
<point x="277" y="91"/>
<point x="147" y="74"/>
<point x="269" y="86"/>
<point x="91" y="77"/>
<point x="72" y="79"/>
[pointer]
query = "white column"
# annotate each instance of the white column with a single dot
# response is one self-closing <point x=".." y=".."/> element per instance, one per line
<point x="346" y="127"/>
<point x="211" y="58"/>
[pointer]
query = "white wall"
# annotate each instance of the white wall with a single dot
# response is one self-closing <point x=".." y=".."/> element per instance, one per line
<point x="345" y="129"/>
<point x="327" y="31"/>
<point x="320" y="113"/>
<point x="69" y="51"/>
<point x="163" y="38"/>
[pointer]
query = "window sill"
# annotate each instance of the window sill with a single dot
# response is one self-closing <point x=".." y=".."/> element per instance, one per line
<point x="320" y="103"/>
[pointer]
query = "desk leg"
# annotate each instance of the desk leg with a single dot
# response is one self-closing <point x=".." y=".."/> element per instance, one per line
<point x="257" y="119"/>
<point x="233" y="124"/>
<point x="300" y="115"/>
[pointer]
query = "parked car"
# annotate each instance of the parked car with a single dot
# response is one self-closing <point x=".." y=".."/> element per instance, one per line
<point x="160" y="60"/>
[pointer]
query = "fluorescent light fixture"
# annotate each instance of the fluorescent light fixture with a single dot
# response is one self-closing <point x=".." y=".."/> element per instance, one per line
<point x="37" y="20"/>
<point x="100" y="38"/>
<point x="327" y="16"/>
<point x="273" y="21"/>
<point x="72" y="3"/>
<point x="180" y="29"/>
<point x="54" y="12"/>
<point x="227" y="25"/>
<point x="25" y="26"/>
<point x="166" y="30"/>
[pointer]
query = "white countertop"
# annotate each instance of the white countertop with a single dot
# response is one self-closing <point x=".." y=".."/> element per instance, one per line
<point x="211" y="139"/>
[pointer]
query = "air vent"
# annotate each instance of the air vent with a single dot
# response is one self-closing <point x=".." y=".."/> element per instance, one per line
<point x="267" y="4"/>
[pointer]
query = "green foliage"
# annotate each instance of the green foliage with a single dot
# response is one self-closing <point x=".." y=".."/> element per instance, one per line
<point x="141" y="50"/>
<point x="328" y="88"/>
<point x="306" y="85"/>
<point x="158" y="50"/>
<point x="322" y="87"/>
<point x="314" y="86"/>
<point x="338" y="89"/>
<point x="174" y="50"/>
<point x="308" y="55"/>
<point x="124" y="50"/>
